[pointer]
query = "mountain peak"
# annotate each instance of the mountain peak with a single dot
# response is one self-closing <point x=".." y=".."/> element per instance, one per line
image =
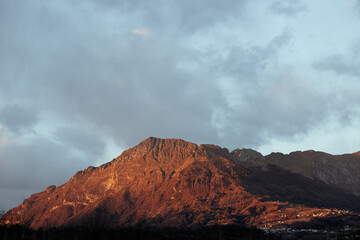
<point x="172" y="182"/>
<point x="245" y="154"/>
<point x="155" y="146"/>
<point x="161" y="143"/>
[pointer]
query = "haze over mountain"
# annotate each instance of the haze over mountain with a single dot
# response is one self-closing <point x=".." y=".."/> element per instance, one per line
<point x="171" y="182"/>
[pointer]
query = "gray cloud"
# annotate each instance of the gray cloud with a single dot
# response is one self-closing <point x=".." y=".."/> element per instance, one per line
<point x="124" y="80"/>
<point x="289" y="8"/>
<point x="264" y="103"/>
<point x="84" y="142"/>
<point x="13" y="197"/>
<point x="346" y="67"/>
<point x="179" y="17"/>
<point x="357" y="6"/>
<point x="246" y="63"/>
<point x="129" y="87"/>
<point x="35" y="162"/>
<point x="339" y="64"/>
<point x="31" y="167"/>
<point x="18" y="118"/>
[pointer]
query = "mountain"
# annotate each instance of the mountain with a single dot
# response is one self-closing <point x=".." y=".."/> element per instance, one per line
<point x="341" y="171"/>
<point x="171" y="182"/>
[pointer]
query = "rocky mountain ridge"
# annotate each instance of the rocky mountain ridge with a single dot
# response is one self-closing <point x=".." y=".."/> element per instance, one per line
<point x="341" y="171"/>
<point x="171" y="182"/>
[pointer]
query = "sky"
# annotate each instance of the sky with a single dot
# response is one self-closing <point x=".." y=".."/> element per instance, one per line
<point x="81" y="81"/>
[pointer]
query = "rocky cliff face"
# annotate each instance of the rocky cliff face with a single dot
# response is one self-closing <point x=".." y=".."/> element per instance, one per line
<point x="171" y="182"/>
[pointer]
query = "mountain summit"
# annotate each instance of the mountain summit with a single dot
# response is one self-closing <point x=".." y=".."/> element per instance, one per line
<point x="171" y="182"/>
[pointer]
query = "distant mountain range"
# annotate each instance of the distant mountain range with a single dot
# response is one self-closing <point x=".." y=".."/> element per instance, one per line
<point x="171" y="182"/>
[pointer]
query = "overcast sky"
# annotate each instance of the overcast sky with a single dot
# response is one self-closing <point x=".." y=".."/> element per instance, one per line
<point x="81" y="81"/>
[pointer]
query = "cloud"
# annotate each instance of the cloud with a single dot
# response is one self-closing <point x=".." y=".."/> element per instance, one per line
<point x="18" y="118"/>
<point x="290" y="8"/>
<point x="126" y="88"/>
<point x="266" y="100"/>
<point x="343" y="79"/>
<point x="141" y="32"/>
<point x="4" y="140"/>
<point x="246" y="63"/>
<point x="86" y="143"/>
<point x="356" y="6"/>
<point x="179" y="17"/>
<point x="31" y="167"/>
<point x="13" y="197"/>
<point x="339" y="64"/>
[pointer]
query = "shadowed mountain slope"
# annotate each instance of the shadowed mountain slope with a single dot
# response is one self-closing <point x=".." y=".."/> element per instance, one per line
<point x="341" y="171"/>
